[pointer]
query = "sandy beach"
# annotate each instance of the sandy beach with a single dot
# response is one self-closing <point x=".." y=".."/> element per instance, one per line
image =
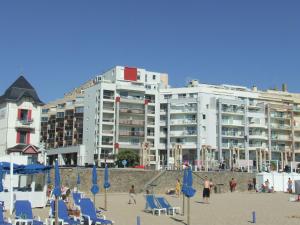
<point x="224" y="209"/>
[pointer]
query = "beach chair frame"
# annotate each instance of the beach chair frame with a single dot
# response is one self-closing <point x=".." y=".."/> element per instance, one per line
<point x="155" y="207"/>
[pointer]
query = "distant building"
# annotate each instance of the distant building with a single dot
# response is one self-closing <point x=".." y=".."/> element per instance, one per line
<point x="20" y="120"/>
<point x="201" y="124"/>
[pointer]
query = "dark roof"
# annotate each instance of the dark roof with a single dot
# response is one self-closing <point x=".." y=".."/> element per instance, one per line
<point x="19" y="89"/>
<point x="21" y="148"/>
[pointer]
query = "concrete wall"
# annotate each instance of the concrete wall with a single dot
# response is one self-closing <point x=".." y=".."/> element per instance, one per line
<point x="122" y="179"/>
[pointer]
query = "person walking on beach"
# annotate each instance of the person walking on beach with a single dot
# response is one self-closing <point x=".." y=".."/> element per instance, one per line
<point x="206" y="190"/>
<point x="132" y="195"/>
<point x="178" y="188"/>
<point x="232" y="185"/>
<point x="290" y="186"/>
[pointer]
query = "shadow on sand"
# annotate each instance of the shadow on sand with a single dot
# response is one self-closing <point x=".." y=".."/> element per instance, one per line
<point x="178" y="220"/>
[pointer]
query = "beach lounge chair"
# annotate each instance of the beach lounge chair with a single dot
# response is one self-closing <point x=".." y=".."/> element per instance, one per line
<point x="76" y="197"/>
<point x="63" y="215"/>
<point x="24" y="214"/>
<point x="165" y="204"/>
<point x="151" y="204"/>
<point x="89" y="213"/>
<point x="2" y="221"/>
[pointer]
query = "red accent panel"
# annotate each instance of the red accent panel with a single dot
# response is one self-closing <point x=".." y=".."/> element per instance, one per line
<point x="118" y="99"/>
<point x="19" y="114"/>
<point x="18" y="137"/>
<point x="147" y="101"/>
<point x="117" y="145"/>
<point x="28" y="138"/>
<point x="130" y="73"/>
<point x="29" y="115"/>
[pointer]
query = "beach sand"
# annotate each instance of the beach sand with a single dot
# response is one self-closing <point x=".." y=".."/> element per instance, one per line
<point x="224" y="209"/>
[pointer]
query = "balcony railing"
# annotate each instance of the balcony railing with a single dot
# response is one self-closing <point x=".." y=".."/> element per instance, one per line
<point x="280" y="126"/>
<point x="107" y="108"/>
<point x="135" y="111"/>
<point x="131" y="122"/>
<point x="25" y="123"/>
<point x="233" y="134"/>
<point x="281" y="137"/>
<point x="108" y="97"/>
<point x="233" y="123"/>
<point x="107" y="142"/>
<point x="108" y="120"/>
<point x="183" y="121"/>
<point x="107" y="131"/>
<point x="131" y="133"/>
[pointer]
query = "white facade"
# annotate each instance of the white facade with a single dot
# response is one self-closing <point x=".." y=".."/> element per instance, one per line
<point x="126" y="108"/>
<point x="20" y="119"/>
<point x="125" y="114"/>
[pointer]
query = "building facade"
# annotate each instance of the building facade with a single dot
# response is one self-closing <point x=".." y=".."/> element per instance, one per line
<point x="20" y="119"/>
<point x="201" y="124"/>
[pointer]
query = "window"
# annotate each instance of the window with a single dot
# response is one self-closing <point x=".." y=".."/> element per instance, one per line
<point x="45" y="110"/>
<point x="23" y="115"/>
<point x="207" y="106"/>
<point x="181" y="95"/>
<point x="138" y="77"/>
<point x="203" y="116"/>
<point x="146" y="78"/>
<point x="154" y="77"/>
<point x="167" y="96"/>
<point x="23" y="135"/>
<point x="60" y="115"/>
<point x="79" y="110"/>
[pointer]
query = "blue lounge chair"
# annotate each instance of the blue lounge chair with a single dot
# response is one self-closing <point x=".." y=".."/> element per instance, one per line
<point x="152" y="205"/>
<point x="89" y="212"/>
<point x="63" y="215"/>
<point x="24" y="213"/>
<point x="76" y="197"/>
<point x="2" y="221"/>
<point x="165" y="204"/>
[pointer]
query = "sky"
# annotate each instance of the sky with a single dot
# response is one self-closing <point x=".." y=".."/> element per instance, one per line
<point x="58" y="45"/>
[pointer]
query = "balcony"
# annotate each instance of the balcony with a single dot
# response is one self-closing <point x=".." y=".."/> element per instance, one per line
<point x="130" y="144"/>
<point x="280" y="148"/>
<point x="108" y="132"/>
<point x="279" y="116"/>
<point x="258" y="136"/>
<point x="280" y="126"/>
<point x="232" y="123"/>
<point x="183" y="133"/>
<point x="231" y="145"/>
<point x="132" y="122"/>
<point x="108" y="97"/>
<point x="183" y="110"/>
<point x="281" y="138"/>
<point x="183" y="122"/>
<point x="108" y="120"/>
<point x="107" y="143"/>
<point x="258" y="125"/>
<point x="108" y="108"/>
<point x="296" y="138"/>
<point x="230" y="111"/>
<point x="132" y="133"/>
<point x="133" y="111"/>
<point x="151" y="111"/>
<point x="233" y="134"/>
<point x="133" y="99"/>
<point x="28" y="124"/>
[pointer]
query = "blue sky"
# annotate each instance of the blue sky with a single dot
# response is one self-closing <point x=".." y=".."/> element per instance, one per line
<point x="60" y="44"/>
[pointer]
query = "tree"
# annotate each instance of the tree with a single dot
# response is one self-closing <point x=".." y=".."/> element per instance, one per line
<point x="130" y="156"/>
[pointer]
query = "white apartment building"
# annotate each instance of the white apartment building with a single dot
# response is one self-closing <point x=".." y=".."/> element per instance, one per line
<point x="201" y="124"/>
<point x="121" y="111"/>
<point x="20" y="119"/>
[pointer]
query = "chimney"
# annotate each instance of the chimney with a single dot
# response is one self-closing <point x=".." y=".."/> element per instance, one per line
<point x="284" y="87"/>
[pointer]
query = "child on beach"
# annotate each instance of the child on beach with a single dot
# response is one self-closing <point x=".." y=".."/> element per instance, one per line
<point x="178" y="188"/>
<point x="132" y="195"/>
